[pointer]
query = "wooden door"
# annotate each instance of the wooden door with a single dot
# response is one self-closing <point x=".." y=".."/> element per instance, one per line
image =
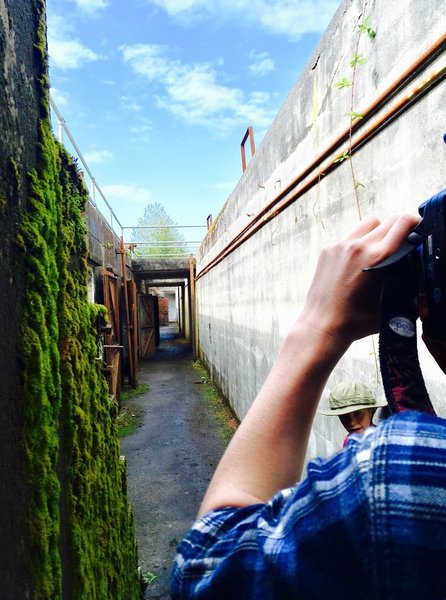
<point x="146" y="312"/>
<point x="111" y="301"/>
<point x="133" y="331"/>
<point x="112" y="347"/>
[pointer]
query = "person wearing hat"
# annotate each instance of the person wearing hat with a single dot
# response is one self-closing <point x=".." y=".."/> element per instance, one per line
<point x="355" y="406"/>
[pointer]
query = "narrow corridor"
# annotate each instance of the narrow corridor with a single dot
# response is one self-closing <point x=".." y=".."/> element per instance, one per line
<point x="170" y="458"/>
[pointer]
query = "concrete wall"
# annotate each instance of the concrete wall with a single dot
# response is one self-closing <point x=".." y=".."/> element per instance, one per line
<point x="248" y="300"/>
<point x="173" y="312"/>
<point x="102" y="241"/>
<point x="186" y="323"/>
<point x="19" y="111"/>
<point x="102" y="244"/>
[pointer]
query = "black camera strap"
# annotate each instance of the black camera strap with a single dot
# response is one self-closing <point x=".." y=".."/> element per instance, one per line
<point x="403" y="380"/>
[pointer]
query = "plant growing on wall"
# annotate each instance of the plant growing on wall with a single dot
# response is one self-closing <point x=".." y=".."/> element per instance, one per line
<point x="356" y="61"/>
<point x="364" y="28"/>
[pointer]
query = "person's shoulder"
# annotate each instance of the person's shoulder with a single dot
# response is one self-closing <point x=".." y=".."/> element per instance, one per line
<point x="404" y="433"/>
<point x="411" y="424"/>
<point x="406" y="446"/>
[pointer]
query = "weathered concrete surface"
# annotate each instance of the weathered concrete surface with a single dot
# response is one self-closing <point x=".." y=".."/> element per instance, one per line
<point x="20" y="70"/>
<point x="170" y="459"/>
<point x="102" y="241"/>
<point x="162" y="268"/>
<point x="247" y="302"/>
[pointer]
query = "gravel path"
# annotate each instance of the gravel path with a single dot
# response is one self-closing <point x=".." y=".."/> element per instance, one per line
<point x="170" y="458"/>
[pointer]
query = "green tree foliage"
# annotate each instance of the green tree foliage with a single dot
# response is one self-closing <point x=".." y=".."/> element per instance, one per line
<point x="161" y="238"/>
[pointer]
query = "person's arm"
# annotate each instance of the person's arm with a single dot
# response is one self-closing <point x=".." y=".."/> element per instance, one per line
<point x="268" y="450"/>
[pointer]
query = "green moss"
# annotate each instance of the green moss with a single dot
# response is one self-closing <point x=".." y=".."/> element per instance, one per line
<point x="130" y="417"/>
<point x="225" y="421"/>
<point x="81" y="529"/>
<point x="98" y="313"/>
<point x="128" y="392"/>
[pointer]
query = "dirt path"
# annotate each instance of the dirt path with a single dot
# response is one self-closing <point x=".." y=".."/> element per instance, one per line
<point x="170" y="458"/>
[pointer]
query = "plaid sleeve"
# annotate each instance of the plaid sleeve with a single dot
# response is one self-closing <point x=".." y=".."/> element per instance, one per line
<point x="370" y="507"/>
<point x="268" y="550"/>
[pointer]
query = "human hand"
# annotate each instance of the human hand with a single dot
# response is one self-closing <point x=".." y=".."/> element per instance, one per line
<point x="343" y="300"/>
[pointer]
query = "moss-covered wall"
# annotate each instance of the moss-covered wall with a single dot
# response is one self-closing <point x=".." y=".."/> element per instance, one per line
<point x="67" y="528"/>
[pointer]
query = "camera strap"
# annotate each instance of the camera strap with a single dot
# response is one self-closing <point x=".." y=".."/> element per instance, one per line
<point x="403" y="380"/>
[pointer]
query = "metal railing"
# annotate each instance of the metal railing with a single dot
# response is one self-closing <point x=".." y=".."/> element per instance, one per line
<point x="94" y="187"/>
<point x="187" y="247"/>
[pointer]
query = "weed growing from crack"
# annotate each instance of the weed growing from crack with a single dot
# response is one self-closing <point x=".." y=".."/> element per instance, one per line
<point x="129" y="392"/>
<point x="130" y="416"/>
<point x="225" y="419"/>
<point x="148" y="577"/>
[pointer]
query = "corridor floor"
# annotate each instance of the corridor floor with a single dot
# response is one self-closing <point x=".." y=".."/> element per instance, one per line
<point x="170" y="458"/>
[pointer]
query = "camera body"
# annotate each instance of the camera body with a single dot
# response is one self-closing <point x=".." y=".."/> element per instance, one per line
<point x="417" y="268"/>
<point x="431" y="254"/>
<point x="425" y="251"/>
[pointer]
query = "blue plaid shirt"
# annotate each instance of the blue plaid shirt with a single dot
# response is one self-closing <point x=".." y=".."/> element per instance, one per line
<point x="368" y="523"/>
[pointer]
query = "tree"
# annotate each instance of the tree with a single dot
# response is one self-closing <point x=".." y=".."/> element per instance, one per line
<point x="161" y="238"/>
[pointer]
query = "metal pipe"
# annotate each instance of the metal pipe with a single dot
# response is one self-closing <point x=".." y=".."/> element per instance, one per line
<point x="163" y="243"/>
<point x="249" y="133"/>
<point x="60" y="129"/>
<point x="192" y="305"/>
<point x="164" y="256"/>
<point x="165" y="227"/>
<point x="290" y="194"/>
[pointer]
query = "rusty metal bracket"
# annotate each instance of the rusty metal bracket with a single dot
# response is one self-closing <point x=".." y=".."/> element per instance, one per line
<point x="249" y="133"/>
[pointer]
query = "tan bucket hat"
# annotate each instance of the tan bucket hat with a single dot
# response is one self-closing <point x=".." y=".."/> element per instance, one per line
<point x="349" y="396"/>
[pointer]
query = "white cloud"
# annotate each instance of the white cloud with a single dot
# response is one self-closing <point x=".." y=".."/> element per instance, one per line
<point x="60" y="98"/>
<point x="178" y="6"/>
<point x="66" y="52"/>
<point x="140" y="132"/>
<point x="295" y="18"/>
<point x="142" y="127"/>
<point x="118" y="194"/>
<point x="98" y="156"/>
<point x="290" y="18"/>
<point x="128" y="103"/>
<point x="185" y="11"/>
<point x="91" y="6"/>
<point x="70" y="54"/>
<point x="192" y="92"/>
<point x="261" y="63"/>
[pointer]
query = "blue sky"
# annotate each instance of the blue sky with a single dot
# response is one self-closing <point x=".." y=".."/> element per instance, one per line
<point x="158" y="93"/>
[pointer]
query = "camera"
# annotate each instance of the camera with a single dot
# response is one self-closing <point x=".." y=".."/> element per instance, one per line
<point x="417" y="268"/>
<point x="423" y="256"/>
<point x="432" y="259"/>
